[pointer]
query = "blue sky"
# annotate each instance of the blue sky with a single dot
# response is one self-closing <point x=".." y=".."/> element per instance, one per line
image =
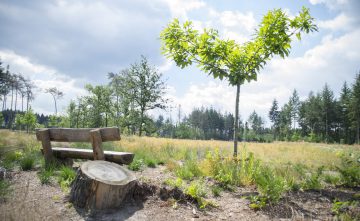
<point x="68" y="44"/>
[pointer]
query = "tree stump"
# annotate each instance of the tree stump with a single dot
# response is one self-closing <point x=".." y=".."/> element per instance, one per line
<point x="101" y="185"/>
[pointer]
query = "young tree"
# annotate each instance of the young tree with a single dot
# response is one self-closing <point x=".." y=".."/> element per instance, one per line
<point x="344" y="102"/>
<point x="56" y="94"/>
<point x="149" y="87"/>
<point x="294" y="104"/>
<point x="355" y="107"/>
<point x="328" y="108"/>
<point x="227" y="59"/>
<point x="274" y="115"/>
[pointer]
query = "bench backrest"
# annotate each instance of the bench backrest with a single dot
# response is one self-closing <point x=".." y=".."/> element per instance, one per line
<point x="79" y="134"/>
<point x="94" y="135"/>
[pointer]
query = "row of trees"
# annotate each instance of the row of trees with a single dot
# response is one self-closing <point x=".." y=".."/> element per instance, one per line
<point x="14" y="86"/>
<point x="321" y="117"/>
<point x="124" y="102"/>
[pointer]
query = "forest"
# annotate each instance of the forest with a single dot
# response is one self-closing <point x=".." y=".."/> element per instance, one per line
<point x="129" y="95"/>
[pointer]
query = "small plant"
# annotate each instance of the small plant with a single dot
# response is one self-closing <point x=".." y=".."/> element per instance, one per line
<point x="45" y="174"/>
<point x="332" y="179"/>
<point x="257" y="202"/>
<point x="136" y="165"/>
<point x="346" y="210"/>
<point x="4" y="189"/>
<point x="177" y="183"/>
<point x="27" y="162"/>
<point x="197" y="191"/>
<point x="270" y="186"/>
<point x="216" y="190"/>
<point x="150" y="162"/>
<point x="313" y="182"/>
<point x="66" y="177"/>
<point x="350" y="170"/>
<point x="189" y="170"/>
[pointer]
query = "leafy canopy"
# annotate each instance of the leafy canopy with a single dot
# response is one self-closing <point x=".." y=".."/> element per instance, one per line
<point x="226" y="58"/>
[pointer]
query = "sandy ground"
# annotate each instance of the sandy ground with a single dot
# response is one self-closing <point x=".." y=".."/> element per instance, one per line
<point x="29" y="200"/>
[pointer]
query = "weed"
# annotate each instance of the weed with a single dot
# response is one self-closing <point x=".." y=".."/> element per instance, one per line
<point x="150" y="162"/>
<point x="4" y="189"/>
<point x="216" y="190"/>
<point x="270" y="185"/>
<point x="332" y="179"/>
<point x="313" y="182"/>
<point x="27" y="162"/>
<point x="188" y="170"/>
<point x="177" y="183"/>
<point x="45" y="175"/>
<point x="66" y="177"/>
<point x="350" y="170"/>
<point x="136" y="165"/>
<point x="346" y="210"/>
<point x="197" y="191"/>
<point x="257" y="202"/>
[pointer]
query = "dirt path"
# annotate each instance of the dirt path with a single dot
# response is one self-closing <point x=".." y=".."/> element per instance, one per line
<point x="32" y="201"/>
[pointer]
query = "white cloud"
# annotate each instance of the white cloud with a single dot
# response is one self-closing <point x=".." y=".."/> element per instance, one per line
<point x="340" y="22"/>
<point x="332" y="4"/>
<point x="179" y="8"/>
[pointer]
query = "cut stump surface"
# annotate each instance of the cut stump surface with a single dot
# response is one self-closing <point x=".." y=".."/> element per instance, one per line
<point x="101" y="185"/>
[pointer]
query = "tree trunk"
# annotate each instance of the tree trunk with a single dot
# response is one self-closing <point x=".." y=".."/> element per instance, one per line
<point x="141" y="122"/>
<point x="236" y="121"/>
<point x="101" y="185"/>
<point x="55" y="106"/>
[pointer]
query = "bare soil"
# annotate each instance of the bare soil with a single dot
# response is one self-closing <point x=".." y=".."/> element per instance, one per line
<point x="30" y="200"/>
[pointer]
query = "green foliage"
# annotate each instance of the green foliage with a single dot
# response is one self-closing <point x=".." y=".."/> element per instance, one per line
<point x="177" y="183"/>
<point x="136" y="165"/>
<point x="346" y="210"/>
<point x="45" y="175"/>
<point x="197" y="191"/>
<point x="270" y="185"/>
<point x="238" y="171"/>
<point x="27" y="162"/>
<point x="66" y="177"/>
<point x="313" y="182"/>
<point x="189" y="170"/>
<point x="216" y="190"/>
<point x="350" y="170"/>
<point x="4" y="189"/>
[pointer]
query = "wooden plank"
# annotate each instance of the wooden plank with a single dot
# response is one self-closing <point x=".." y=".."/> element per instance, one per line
<point x="81" y="134"/>
<point x="96" y="143"/>
<point x="112" y="156"/>
<point x="44" y="136"/>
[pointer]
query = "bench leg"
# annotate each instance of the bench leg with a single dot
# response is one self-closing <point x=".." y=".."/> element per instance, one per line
<point x="96" y="142"/>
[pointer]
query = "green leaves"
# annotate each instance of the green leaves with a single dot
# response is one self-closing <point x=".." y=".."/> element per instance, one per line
<point x="227" y="59"/>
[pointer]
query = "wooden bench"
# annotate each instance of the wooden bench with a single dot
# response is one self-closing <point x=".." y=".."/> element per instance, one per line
<point x="94" y="135"/>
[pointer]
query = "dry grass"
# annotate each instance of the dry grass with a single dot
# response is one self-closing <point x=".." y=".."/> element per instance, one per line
<point x="310" y="154"/>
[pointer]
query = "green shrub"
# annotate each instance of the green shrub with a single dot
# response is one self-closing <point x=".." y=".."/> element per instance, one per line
<point x="150" y="162"/>
<point x="313" y="182"/>
<point x="332" y="179"/>
<point x="188" y="170"/>
<point x="197" y="191"/>
<point x="177" y="183"/>
<point x="46" y="173"/>
<point x="350" y="170"/>
<point x="346" y="210"/>
<point x="230" y="171"/>
<point x="136" y="165"/>
<point x="270" y="186"/>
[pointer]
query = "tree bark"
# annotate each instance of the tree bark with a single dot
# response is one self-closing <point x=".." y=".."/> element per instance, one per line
<point x="236" y="121"/>
<point x="101" y="185"/>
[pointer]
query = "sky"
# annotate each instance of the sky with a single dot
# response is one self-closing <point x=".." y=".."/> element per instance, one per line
<point x="68" y="44"/>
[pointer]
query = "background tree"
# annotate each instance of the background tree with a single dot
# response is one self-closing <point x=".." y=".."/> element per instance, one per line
<point x="355" y="107"/>
<point x="149" y="87"/>
<point x="274" y="116"/>
<point x="227" y="59"/>
<point x="56" y="94"/>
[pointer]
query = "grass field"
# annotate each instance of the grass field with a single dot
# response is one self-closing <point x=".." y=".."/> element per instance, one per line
<point x="273" y="168"/>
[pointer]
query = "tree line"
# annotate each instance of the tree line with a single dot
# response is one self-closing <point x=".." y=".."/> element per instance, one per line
<point x="321" y="117"/>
